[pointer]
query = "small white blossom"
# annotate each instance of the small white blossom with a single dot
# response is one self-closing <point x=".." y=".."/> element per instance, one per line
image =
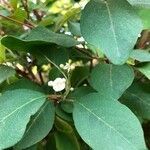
<point x="81" y="39"/>
<point x="85" y="84"/>
<point x="69" y="66"/>
<point x="58" y="84"/>
<point x="71" y="89"/>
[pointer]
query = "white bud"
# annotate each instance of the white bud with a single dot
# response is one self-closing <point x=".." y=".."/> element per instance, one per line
<point x="61" y="66"/>
<point x="85" y="84"/>
<point x="71" y="89"/>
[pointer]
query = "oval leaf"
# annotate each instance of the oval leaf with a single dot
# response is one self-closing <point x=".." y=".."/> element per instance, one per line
<point x="38" y="36"/>
<point x="16" y="107"/>
<point x="107" y="125"/>
<point x="112" y="26"/>
<point x="111" y="80"/>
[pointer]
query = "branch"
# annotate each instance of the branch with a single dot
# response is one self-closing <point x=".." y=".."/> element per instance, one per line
<point x="18" y="22"/>
<point x="87" y="53"/>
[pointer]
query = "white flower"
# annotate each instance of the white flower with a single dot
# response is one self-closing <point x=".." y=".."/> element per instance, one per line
<point x="58" y="84"/>
<point x="69" y="66"/>
<point x="71" y="89"/>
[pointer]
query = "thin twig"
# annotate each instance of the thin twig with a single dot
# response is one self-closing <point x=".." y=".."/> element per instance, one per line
<point x="87" y="53"/>
<point x="57" y="67"/>
<point x="17" y="21"/>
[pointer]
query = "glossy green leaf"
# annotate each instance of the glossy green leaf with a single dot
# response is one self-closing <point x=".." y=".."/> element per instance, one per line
<point x="140" y="55"/>
<point x="111" y="80"/>
<point x="39" y="126"/>
<point x="111" y="26"/>
<point x="107" y="125"/>
<point x="145" y="69"/>
<point x="38" y="36"/>
<point x="6" y="72"/>
<point x="140" y="3"/>
<point x="16" y="108"/>
<point x="137" y="98"/>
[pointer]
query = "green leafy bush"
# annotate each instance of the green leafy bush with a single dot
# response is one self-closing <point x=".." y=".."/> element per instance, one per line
<point x="74" y="75"/>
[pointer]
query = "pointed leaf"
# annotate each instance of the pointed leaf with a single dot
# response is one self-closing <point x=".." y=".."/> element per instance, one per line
<point x="111" y="26"/>
<point x="111" y="80"/>
<point x="16" y="107"/>
<point x="107" y="125"/>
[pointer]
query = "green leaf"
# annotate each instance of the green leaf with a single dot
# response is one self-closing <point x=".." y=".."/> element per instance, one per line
<point x="111" y="80"/>
<point x="145" y="69"/>
<point x="76" y="80"/>
<point x="75" y="95"/>
<point x="62" y="126"/>
<point x="140" y="3"/>
<point x="62" y="114"/>
<point x="38" y="36"/>
<point x="39" y="126"/>
<point x="23" y="84"/>
<point x="19" y="14"/>
<point x="66" y="141"/>
<point x="14" y="3"/>
<point x="16" y="107"/>
<point x="145" y="15"/>
<point x="107" y="125"/>
<point x="140" y="55"/>
<point x="2" y="53"/>
<point x="67" y="16"/>
<point x="111" y="26"/>
<point x="6" y="72"/>
<point x="34" y="147"/>
<point x="137" y="98"/>
<point x="74" y="28"/>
